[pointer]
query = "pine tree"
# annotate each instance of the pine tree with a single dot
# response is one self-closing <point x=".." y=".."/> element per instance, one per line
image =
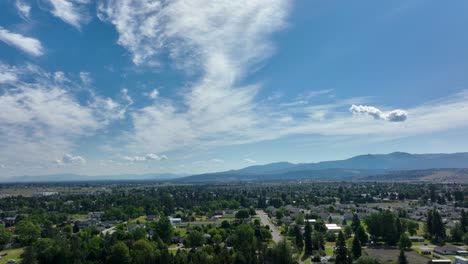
<point x="402" y="258"/>
<point x="464" y="221"/>
<point x="357" y="250"/>
<point x="308" y="239"/>
<point x="361" y="235"/>
<point x="299" y="238"/>
<point x="341" y="252"/>
<point x="356" y="222"/>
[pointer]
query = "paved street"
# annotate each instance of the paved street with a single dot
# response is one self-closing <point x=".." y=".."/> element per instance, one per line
<point x="276" y="234"/>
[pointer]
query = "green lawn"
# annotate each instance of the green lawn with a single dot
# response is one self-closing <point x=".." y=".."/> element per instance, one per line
<point x="12" y="254"/>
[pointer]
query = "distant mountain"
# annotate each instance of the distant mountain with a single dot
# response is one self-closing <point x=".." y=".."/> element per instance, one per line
<point x="363" y="165"/>
<point x="81" y="178"/>
<point x="434" y="175"/>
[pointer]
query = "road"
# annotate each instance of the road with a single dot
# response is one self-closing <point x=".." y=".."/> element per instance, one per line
<point x="275" y="233"/>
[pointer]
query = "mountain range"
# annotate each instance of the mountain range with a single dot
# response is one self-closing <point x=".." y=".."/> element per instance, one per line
<point x="370" y="167"/>
<point x="356" y="168"/>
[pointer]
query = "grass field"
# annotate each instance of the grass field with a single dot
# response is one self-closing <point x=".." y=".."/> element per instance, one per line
<point x="12" y="254"/>
<point x="391" y="255"/>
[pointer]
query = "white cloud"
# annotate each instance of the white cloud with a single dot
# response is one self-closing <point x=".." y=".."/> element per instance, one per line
<point x="29" y="45"/>
<point x="153" y="94"/>
<point x="86" y="78"/>
<point x="2" y="166"/>
<point x="24" y="9"/>
<point x="251" y="161"/>
<point x="71" y="12"/>
<point x="216" y="161"/>
<point x="221" y="41"/>
<point x="42" y="118"/>
<point x="69" y="159"/>
<point x="392" y="116"/>
<point x="149" y="156"/>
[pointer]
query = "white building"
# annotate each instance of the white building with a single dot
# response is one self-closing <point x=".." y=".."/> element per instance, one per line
<point x="460" y="260"/>
<point x="175" y="221"/>
<point x="333" y="227"/>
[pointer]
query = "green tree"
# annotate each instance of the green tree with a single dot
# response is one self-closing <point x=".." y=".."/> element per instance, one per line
<point x="27" y="232"/>
<point x="318" y="242"/>
<point x="456" y="233"/>
<point x="366" y="260"/>
<point x="402" y="258"/>
<point x="5" y="236"/>
<point x="143" y="252"/>
<point x="299" y="238"/>
<point x="404" y="242"/>
<point x="341" y="252"/>
<point x="280" y="254"/>
<point x="308" y="239"/>
<point x="195" y="239"/>
<point x="119" y="254"/>
<point x="164" y="229"/>
<point x="355" y="223"/>
<point x="435" y="227"/>
<point x="242" y="214"/>
<point x="356" y="249"/>
<point x="361" y="235"/>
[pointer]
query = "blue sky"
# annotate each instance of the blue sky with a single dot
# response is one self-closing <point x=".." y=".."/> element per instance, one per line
<point x="127" y="86"/>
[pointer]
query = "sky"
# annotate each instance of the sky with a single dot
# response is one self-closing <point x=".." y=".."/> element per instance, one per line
<point x="144" y="86"/>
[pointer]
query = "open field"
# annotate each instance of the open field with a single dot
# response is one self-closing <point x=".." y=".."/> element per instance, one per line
<point x="388" y="255"/>
<point x="12" y="254"/>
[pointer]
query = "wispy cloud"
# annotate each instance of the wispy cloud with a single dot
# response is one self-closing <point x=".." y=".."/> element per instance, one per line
<point x="42" y="118"/>
<point x="29" y="45"/>
<point x="71" y="12"/>
<point x="250" y="161"/>
<point x="69" y="159"/>
<point x="24" y="9"/>
<point x="149" y="156"/>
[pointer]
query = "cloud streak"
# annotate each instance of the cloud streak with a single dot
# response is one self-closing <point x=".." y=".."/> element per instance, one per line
<point x="70" y="12"/>
<point x="29" y="45"/>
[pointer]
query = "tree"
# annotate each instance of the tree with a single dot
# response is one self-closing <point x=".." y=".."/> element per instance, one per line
<point x="143" y="252"/>
<point x="5" y="236"/>
<point x="341" y="252"/>
<point x="280" y="254"/>
<point x="27" y="232"/>
<point x="402" y="258"/>
<point x="308" y="239"/>
<point x="29" y="256"/>
<point x="435" y="227"/>
<point x="361" y="235"/>
<point x="164" y="229"/>
<point x="456" y="233"/>
<point x="318" y="242"/>
<point x="355" y="223"/>
<point x="195" y="239"/>
<point x="356" y="249"/>
<point x="404" y="242"/>
<point x="366" y="260"/>
<point x="464" y="221"/>
<point x="299" y="238"/>
<point x="242" y="214"/>
<point x="120" y="254"/>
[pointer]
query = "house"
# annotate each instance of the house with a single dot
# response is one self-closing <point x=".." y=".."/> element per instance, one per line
<point x="175" y="221"/>
<point x="460" y="260"/>
<point x="333" y="227"/>
<point x="447" y="250"/>
<point x="416" y="238"/>
<point x="95" y="215"/>
<point x="444" y="261"/>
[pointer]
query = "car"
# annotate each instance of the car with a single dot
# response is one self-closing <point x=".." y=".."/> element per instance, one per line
<point x="11" y="261"/>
